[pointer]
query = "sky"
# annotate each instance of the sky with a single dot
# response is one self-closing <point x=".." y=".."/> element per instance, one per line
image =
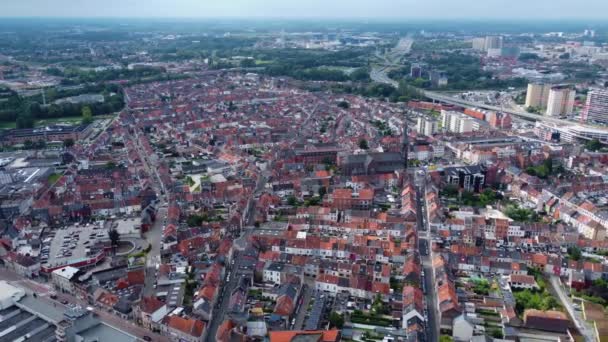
<point x="368" y="9"/>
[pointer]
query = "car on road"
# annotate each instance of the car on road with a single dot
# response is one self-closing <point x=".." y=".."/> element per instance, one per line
<point x="147" y="338"/>
<point x="64" y="302"/>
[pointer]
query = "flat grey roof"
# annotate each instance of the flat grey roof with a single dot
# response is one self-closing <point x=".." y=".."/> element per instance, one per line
<point x="104" y="332"/>
<point x="42" y="308"/>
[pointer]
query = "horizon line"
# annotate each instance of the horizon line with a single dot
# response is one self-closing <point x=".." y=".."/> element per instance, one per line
<point x="296" y="18"/>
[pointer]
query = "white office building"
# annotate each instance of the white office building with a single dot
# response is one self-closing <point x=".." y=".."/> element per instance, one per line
<point x="457" y="122"/>
<point x="426" y="126"/>
<point x="596" y="108"/>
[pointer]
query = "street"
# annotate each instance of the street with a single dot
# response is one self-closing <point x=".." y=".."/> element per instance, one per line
<point x="220" y="309"/>
<point x="301" y="314"/>
<point x="425" y="248"/>
<point x="154" y="236"/>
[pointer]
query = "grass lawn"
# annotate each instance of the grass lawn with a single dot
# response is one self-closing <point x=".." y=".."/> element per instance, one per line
<point x="66" y="120"/>
<point x="262" y="62"/>
<point x="8" y="125"/>
<point x="54" y="177"/>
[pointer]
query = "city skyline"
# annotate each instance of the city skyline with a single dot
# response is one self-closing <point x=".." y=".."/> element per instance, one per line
<point x="363" y="9"/>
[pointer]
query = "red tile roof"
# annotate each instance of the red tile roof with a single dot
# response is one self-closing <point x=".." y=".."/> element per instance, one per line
<point x="288" y="336"/>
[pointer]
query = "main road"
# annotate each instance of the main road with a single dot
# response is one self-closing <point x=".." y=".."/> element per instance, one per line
<point x="529" y="116"/>
<point x="390" y="60"/>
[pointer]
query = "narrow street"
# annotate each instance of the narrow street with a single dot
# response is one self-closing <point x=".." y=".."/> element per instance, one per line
<point x="154" y="237"/>
<point x="307" y="296"/>
<point x="221" y="308"/>
<point x="426" y="255"/>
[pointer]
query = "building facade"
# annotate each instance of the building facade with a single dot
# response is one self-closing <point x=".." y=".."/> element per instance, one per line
<point x="596" y="108"/>
<point x="426" y="126"/>
<point x="537" y="95"/>
<point x="561" y="101"/>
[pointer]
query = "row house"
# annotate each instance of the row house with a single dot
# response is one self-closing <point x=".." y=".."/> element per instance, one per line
<point x="412" y="307"/>
<point x="23" y="265"/>
<point x="359" y="286"/>
<point x="150" y="313"/>
<point x="183" y="329"/>
<point x="448" y="305"/>
<point x="343" y="199"/>
<point x="279" y="273"/>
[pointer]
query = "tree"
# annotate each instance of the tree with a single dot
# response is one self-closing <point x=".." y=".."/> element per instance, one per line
<point x="521" y="214"/>
<point x="40" y="144"/>
<point x="450" y="190"/>
<point x="322" y="191"/>
<point x="574" y="253"/>
<point x="248" y="63"/>
<point x="445" y="338"/>
<point x="378" y="307"/>
<point x="528" y="57"/>
<point x="292" y="201"/>
<point x="363" y="144"/>
<point x="336" y="320"/>
<point x="343" y="105"/>
<point x="25" y="118"/>
<point x="114" y="236"/>
<point x="533" y="110"/>
<point x="487" y="197"/>
<point x="548" y="164"/>
<point x="593" y="145"/>
<point x="69" y="142"/>
<point x="87" y="115"/>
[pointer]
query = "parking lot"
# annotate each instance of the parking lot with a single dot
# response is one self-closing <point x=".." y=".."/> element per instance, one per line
<point x="71" y="244"/>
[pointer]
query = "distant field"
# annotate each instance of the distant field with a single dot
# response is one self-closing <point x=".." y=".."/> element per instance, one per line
<point x="7" y="125"/>
<point x="72" y="120"/>
<point x="66" y="120"/>
<point x="262" y="62"/>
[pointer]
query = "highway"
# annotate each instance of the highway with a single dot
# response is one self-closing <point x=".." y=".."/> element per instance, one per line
<point x="379" y="73"/>
<point x="390" y="60"/>
<point x="529" y="116"/>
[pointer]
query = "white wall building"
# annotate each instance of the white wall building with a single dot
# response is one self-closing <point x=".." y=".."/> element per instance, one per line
<point x="561" y="101"/>
<point x="62" y="278"/>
